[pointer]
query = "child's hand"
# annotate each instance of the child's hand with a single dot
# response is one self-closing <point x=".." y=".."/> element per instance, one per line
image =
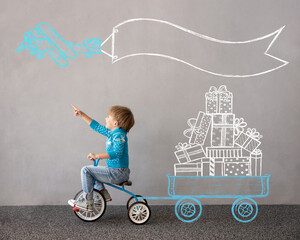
<point x="92" y="156"/>
<point x="77" y="111"/>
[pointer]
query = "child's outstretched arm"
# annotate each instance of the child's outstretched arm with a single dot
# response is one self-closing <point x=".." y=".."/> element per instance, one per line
<point x="93" y="124"/>
<point x="79" y="113"/>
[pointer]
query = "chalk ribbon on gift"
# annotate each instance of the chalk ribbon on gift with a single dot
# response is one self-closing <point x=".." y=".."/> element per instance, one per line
<point x="239" y="125"/>
<point x="251" y="136"/>
<point x="192" y="124"/>
<point x="218" y="95"/>
<point x="252" y="133"/>
<point x="183" y="146"/>
<point x="256" y="152"/>
<point x="223" y="126"/>
<point x="215" y="92"/>
<point x="256" y="162"/>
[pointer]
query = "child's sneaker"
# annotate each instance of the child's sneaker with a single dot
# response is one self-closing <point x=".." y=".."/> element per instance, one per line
<point x="71" y="202"/>
<point x="83" y="204"/>
<point x="106" y="195"/>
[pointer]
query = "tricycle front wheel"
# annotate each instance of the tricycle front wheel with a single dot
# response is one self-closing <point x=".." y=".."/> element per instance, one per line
<point x="98" y="210"/>
<point x="132" y="200"/>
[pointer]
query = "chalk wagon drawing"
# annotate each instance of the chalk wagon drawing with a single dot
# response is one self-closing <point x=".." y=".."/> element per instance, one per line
<point x="228" y="165"/>
<point x="158" y="38"/>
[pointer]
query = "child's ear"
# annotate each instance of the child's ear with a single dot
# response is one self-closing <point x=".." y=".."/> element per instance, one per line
<point x="116" y="123"/>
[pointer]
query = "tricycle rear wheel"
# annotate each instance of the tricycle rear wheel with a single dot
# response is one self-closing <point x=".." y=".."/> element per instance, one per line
<point x="139" y="213"/>
<point x="132" y="200"/>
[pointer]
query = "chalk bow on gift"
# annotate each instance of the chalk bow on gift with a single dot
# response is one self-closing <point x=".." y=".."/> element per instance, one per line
<point x="215" y="92"/>
<point x="188" y="132"/>
<point x="251" y="132"/>
<point x="182" y="146"/>
<point x="239" y="125"/>
<point x="256" y="152"/>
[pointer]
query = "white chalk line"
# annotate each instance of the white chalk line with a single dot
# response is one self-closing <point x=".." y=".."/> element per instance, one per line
<point x="198" y="68"/>
<point x="276" y="33"/>
<point x="106" y="53"/>
<point x="106" y="40"/>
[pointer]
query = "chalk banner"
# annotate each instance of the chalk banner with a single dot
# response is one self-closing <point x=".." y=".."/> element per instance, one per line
<point x="153" y="37"/>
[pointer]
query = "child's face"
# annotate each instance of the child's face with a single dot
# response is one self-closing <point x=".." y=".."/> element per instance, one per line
<point x="111" y="123"/>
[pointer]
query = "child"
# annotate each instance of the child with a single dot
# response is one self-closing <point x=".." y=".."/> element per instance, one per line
<point x="118" y="122"/>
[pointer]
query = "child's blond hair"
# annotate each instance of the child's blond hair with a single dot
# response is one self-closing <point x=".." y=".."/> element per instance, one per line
<point x="123" y="116"/>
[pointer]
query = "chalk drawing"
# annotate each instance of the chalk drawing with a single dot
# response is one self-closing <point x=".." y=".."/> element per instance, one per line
<point x="188" y="207"/>
<point x="224" y="170"/>
<point x="249" y="140"/>
<point x="118" y="29"/>
<point x="44" y="39"/>
<point x="232" y="151"/>
<point x="198" y="128"/>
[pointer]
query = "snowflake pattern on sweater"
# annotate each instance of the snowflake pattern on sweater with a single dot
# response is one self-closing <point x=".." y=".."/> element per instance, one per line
<point x="116" y="145"/>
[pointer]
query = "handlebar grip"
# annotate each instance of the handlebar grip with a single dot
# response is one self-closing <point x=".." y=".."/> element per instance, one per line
<point x="96" y="162"/>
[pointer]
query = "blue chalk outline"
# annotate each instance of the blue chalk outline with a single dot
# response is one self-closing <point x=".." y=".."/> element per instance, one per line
<point x="238" y="204"/>
<point x="53" y="42"/>
<point x="181" y="207"/>
<point x="241" y="203"/>
<point x="35" y="45"/>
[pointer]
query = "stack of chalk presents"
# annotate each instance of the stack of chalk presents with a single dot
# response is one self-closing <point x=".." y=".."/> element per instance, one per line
<point x="218" y="142"/>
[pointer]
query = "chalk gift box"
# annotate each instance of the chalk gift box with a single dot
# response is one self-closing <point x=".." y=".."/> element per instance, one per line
<point x="218" y="100"/>
<point x="249" y="140"/>
<point x="256" y="162"/>
<point x="222" y="131"/>
<point x="220" y="152"/>
<point x="189" y="152"/>
<point x="187" y="169"/>
<point x="212" y="166"/>
<point x="237" y="166"/>
<point x="198" y="128"/>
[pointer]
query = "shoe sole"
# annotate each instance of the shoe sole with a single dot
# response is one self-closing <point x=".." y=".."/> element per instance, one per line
<point x="75" y="208"/>
<point x="71" y="203"/>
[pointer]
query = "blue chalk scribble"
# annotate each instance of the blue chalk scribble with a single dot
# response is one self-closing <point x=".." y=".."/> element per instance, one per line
<point x="44" y="39"/>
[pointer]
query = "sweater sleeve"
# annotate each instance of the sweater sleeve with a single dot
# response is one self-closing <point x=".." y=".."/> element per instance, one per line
<point x="99" y="128"/>
<point x="118" y="146"/>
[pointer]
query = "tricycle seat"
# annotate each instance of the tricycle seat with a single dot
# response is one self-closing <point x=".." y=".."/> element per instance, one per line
<point x="126" y="183"/>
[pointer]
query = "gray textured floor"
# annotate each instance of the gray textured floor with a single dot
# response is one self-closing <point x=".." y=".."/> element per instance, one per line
<point x="216" y="222"/>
